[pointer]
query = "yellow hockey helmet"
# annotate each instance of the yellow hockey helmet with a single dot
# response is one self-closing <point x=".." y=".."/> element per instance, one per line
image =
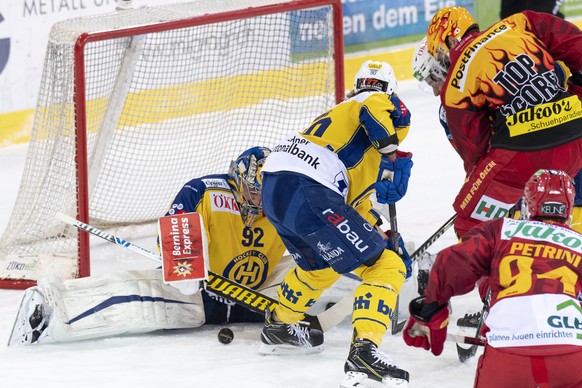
<point x="447" y="22"/>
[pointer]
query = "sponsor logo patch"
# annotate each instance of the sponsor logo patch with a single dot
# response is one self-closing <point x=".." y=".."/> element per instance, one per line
<point x="223" y="202"/>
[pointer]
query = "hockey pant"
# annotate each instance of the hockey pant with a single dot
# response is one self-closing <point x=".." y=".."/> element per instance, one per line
<point x="374" y="298"/>
<point x="497" y="181"/>
<point x="128" y="302"/>
<point x="500" y="369"/>
<point x="318" y="228"/>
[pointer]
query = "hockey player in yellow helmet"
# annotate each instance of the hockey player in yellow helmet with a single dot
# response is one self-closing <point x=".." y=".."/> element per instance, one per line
<point x="448" y="23"/>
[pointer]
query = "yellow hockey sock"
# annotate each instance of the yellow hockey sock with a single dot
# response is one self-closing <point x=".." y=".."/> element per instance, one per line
<point x="300" y="290"/>
<point x="376" y="297"/>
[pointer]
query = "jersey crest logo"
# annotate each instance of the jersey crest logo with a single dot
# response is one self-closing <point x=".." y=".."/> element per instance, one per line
<point x="249" y="269"/>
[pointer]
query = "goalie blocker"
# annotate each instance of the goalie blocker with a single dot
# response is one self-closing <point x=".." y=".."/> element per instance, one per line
<point x="184" y="248"/>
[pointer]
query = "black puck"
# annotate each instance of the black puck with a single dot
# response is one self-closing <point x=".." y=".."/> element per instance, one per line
<point x="225" y="336"/>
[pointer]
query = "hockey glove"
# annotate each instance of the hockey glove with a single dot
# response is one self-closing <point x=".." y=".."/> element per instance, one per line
<point x="427" y="326"/>
<point x="391" y="190"/>
<point x="400" y="115"/>
<point x="401" y="251"/>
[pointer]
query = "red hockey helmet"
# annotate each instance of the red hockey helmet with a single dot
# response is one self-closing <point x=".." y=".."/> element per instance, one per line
<point x="548" y="193"/>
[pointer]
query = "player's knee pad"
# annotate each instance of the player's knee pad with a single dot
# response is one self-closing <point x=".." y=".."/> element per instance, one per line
<point x="388" y="270"/>
<point x="300" y="290"/>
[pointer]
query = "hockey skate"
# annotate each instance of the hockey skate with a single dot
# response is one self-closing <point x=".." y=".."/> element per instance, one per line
<point x="280" y="338"/>
<point x="32" y="319"/>
<point x="369" y="367"/>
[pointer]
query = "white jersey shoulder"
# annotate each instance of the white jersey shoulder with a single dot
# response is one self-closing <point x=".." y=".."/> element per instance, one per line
<point x="297" y="154"/>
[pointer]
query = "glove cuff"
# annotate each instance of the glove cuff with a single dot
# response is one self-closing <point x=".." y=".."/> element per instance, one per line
<point x="424" y="312"/>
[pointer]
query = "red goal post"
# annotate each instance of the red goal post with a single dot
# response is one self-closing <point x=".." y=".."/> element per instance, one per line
<point x="135" y="103"/>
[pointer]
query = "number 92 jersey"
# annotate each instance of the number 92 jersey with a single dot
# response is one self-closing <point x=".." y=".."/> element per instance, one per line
<point x="246" y="255"/>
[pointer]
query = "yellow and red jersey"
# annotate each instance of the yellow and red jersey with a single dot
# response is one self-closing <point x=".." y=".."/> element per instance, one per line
<point x="502" y="90"/>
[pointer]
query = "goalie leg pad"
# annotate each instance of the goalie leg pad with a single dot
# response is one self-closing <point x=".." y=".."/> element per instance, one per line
<point x="130" y="302"/>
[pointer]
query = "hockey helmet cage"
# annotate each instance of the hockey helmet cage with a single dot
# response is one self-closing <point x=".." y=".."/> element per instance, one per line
<point x="245" y="177"/>
<point x="425" y="68"/>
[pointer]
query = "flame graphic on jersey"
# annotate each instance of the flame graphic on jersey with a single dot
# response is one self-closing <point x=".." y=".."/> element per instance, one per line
<point x="502" y="55"/>
<point x="183" y="269"/>
<point x="491" y="94"/>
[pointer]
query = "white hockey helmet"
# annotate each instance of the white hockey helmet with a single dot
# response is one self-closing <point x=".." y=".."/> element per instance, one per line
<point x="425" y="68"/>
<point x="376" y="76"/>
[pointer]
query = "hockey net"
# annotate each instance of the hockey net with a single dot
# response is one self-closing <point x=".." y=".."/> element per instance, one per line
<point x="136" y="102"/>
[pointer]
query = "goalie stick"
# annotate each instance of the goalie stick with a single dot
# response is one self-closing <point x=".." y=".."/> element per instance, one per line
<point x="237" y="293"/>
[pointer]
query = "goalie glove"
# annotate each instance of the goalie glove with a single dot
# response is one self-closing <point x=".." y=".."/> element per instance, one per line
<point x="391" y="190"/>
<point x="427" y="325"/>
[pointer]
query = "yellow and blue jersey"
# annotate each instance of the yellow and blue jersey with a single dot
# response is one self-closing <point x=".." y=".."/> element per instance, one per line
<point x="340" y="148"/>
<point x="244" y="254"/>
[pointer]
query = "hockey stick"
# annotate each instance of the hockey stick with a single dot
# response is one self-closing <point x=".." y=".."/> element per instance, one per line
<point x="461" y="339"/>
<point x="395" y="326"/>
<point x="432" y="239"/>
<point x="237" y="293"/>
<point x="466" y="353"/>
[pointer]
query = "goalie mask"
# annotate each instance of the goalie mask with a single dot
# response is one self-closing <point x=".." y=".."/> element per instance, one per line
<point x="548" y="194"/>
<point x="245" y="177"/>
<point x="375" y="76"/>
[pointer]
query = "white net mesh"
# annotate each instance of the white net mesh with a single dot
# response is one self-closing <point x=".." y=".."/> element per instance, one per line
<point x="168" y="97"/>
